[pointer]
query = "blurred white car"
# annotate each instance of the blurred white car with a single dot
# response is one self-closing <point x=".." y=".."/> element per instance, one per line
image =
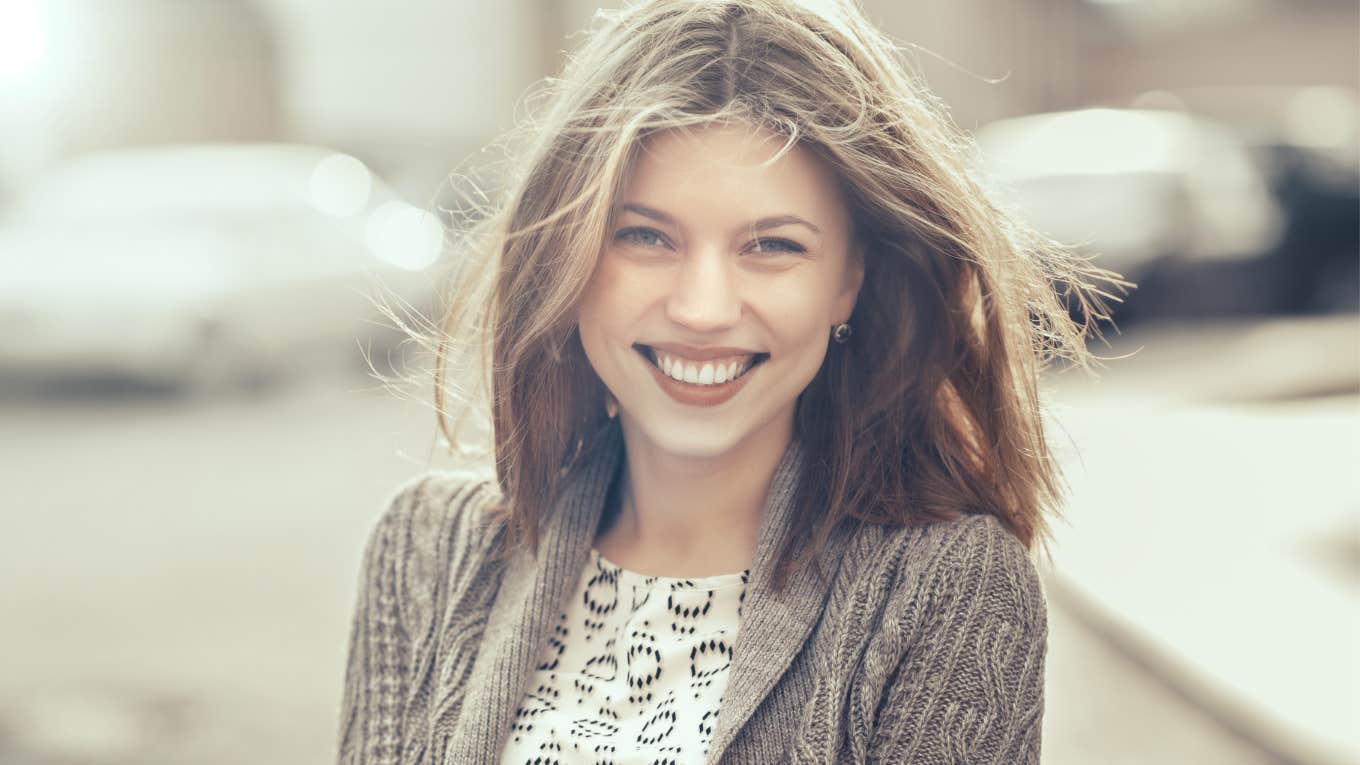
<point x="1134" y="186"/>
<point x="206" y="264"/>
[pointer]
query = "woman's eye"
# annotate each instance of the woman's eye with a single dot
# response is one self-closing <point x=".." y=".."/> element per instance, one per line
<point x="777" y="246"/>
<point x="648" y="237"/>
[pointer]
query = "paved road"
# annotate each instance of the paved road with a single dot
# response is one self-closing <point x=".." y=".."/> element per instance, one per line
<point x="185" y="571"/>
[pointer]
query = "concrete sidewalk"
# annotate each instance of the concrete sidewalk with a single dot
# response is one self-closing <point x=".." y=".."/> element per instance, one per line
<point x="1213" y="529"/>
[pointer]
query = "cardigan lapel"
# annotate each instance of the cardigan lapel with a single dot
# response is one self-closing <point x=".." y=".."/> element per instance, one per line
<point x="526" y="607"/>
<point x="774" y="625"/>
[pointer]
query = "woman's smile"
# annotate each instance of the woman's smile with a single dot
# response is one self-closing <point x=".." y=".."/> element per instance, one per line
<point x="698" y="376"/>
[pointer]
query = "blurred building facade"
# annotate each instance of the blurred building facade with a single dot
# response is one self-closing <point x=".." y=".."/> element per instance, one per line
<point x="429" y="81"/>
<point x="94" y="75"/>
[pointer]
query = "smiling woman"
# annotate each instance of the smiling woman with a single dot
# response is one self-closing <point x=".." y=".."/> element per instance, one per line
<point x="760" y="359"/>
<point x="726" y="255"/>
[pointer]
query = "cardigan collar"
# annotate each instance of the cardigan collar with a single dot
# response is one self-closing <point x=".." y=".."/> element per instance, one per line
<point x="533" y="589"/>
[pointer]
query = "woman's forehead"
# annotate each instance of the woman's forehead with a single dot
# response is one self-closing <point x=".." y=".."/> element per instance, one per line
<point x="732" y="167"/>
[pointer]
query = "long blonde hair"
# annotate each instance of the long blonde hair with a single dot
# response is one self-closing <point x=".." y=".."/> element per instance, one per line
<point x="930" y="412"/>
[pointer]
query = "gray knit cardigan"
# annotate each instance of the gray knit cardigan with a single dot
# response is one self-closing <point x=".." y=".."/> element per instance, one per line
<point x="922" y="645"/>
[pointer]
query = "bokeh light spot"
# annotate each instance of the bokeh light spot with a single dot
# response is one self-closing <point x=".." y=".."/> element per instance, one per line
<point x="405" y="236"/>
<point x="340" y="185"/>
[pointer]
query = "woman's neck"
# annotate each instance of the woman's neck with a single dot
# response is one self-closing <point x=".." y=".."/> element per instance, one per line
<point x="691" y="517"/>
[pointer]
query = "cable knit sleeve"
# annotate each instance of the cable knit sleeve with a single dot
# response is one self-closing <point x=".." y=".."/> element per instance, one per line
<point x="378" y="669"/>
<point x="426" y="541"/>
<point x="970" y="689"/>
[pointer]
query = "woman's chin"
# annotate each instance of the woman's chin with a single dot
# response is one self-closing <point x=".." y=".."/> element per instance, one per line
<point x="699" y="438"/>
<point x="683" y="438"/>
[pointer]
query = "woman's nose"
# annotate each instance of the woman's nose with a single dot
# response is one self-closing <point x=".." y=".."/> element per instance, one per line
<point x="704" y="296"/>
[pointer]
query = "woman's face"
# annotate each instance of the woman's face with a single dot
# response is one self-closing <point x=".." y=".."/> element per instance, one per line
<point x="721" y="276"/>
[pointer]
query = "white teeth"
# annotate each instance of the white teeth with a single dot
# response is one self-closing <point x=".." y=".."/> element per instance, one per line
<point x="702" y="372"/>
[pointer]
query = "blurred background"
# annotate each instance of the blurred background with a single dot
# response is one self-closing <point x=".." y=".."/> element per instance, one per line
<point x="198" y="197"/>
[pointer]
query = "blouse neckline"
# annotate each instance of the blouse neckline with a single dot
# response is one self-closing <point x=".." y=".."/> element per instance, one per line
<point x="715" y="582"/>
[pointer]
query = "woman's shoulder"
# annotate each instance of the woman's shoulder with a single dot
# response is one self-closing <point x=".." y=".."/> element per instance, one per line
<point x="949" y="622"/>
<point x="440" y="500"/>
<point x="972" y="563"/>
<point x="438" y="532"/>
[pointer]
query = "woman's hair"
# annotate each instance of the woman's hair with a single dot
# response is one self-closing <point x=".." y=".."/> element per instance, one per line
<point x="931" y="411"/>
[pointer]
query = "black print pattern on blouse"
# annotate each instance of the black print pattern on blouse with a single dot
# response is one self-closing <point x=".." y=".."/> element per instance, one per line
<point x="633" y="672"/>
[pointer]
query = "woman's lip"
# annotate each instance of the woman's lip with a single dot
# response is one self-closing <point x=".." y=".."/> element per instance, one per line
<point x="692" y="394"/>
<point x="695" y="353"/>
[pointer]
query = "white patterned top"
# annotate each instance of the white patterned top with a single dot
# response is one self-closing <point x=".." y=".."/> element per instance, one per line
<point x="634" y="671"/>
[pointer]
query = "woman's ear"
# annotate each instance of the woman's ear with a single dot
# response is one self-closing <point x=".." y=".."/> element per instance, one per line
<point x="854" y="281"/>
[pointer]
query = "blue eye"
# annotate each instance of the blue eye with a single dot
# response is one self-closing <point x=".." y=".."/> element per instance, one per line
<point x="647" y="237"/>
<point x="776" y="246"/>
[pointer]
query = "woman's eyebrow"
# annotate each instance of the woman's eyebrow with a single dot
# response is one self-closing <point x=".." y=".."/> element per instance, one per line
<point x="648" y="212"/>
<point x="773" y="221"/>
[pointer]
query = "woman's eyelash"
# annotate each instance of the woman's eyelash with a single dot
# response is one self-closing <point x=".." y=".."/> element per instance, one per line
<point x="640" y="235"/>
<point x="651" y="237"/>
<point x="769" y="244"/>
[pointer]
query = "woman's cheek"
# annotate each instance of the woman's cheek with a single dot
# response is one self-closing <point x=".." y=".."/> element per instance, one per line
<point x="638" y="287"/>
<point x="797" y="312"/>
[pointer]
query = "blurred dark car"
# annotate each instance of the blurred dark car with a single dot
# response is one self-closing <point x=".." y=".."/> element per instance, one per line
<point x="1150" y="192"/>
<point x="203" y="266"/>
<point x="1307" y="140"/>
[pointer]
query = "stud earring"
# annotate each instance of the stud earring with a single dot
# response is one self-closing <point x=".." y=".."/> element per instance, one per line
<point x="841" y="332"/>
<point x="611" y="406"/>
